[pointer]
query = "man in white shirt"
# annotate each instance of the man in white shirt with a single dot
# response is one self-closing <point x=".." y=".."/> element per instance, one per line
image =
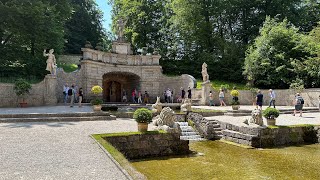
<point x="65" y="93"/>
<point x="272" y="95"/>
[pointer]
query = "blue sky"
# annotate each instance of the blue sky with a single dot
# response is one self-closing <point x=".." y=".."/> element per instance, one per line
<point x="106" y="9"/>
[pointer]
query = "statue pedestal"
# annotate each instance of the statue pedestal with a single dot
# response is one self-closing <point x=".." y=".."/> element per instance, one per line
<point x="49" y="93"/>
<point x="121" y="48"/>
<point x="205" y="90"/>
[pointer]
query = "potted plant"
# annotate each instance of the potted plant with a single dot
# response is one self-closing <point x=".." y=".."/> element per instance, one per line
<point x="270" y="114"/>
<point x="96" y="102"/>
<point x="22" y="88"/>
<point x="143" y="117"/>
<point x="235" y="99"/>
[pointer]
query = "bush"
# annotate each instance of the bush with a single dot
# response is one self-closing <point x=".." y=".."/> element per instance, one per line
<point x="271" y="113"/>
<point x="22" y="87"/>
<point x="143" y="115"/>
<point x="96" y="101"/>
<point x="233" y="103"/>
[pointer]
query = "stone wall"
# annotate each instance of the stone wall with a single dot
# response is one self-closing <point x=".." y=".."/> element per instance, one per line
<point x="269" y="137"/>
<point x="149" y="145"/>
<point x="69" y="59"/>
<point x="206" y="128"/>
<point x="42" y="93"/>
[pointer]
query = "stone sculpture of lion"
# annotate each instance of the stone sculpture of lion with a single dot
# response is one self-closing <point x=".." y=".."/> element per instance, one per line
<point x="166" y="121"/>
<point x="157" y="107"/>
<point x="186" y="106"/>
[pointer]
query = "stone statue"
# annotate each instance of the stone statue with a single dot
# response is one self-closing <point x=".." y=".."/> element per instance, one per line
<point x="167" y="121"/>
<point x="157" y="107"/>
<point x="121" y="25"/>
<point x="205" y="75"/>
<point x="186" y="106"/>
<point x="256" y="118"/>
<point x="51" y="62"/>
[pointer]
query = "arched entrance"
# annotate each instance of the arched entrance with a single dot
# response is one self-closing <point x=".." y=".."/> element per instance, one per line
<point x="115" y="84"/>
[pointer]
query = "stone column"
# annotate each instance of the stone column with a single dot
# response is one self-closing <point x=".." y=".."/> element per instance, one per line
<point x="206" y="88"/>
<point x="49" y="91"/>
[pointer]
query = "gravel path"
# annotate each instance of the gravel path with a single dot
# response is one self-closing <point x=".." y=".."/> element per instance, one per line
<point x="58" y="150"/>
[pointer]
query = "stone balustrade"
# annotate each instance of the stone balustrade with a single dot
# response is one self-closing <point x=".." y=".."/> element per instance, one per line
<point x="123" y="59"/>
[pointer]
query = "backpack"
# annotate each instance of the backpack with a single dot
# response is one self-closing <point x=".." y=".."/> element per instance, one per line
<point x="300" y="100"/>
<point x="70" y="92"/>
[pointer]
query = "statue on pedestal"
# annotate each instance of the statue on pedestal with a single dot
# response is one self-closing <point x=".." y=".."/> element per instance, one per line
<point x="205" y="75"/>
<point x="51" y="62"/>
<point x="120" y="28"/>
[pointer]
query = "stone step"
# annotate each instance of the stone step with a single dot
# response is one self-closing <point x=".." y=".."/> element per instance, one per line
<point x="238" y="135"/>
<point x="237" y="114"/>
<point x="216" y="125"/>
<point x="183" y="123"/>
<point x="218" y="132"/>
<point x="217" y="129"/>
<point x="38" y="115"/>
<point x="188" y="133"/>
<point x="57" y="119"/>
<point x="195" y="137"/>
<point x="186" y="129"/>
<point x="218" y="136"/>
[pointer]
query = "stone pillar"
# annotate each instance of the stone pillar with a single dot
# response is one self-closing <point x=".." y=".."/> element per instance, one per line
<point x="49" y="93"/>
<point x="206" y="88"/>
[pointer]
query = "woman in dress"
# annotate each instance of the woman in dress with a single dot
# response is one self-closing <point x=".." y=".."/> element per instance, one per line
<point x="51" y="61"/>
<point x="221" y="98"/>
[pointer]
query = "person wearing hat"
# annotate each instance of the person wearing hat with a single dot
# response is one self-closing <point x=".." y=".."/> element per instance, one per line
<point x="298" y="104"/>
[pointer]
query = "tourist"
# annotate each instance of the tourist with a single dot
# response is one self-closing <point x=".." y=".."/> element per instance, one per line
<point x="124" y="97"/>
<point x="165" y="96"/>
<point x="168" y="94"/>
<point x="189" y="93"/>
<point x="134" y="96"/>
<point x="183" y="93"/>
<point x="139" y="97"/>
<point x="259" y="100"/>
<point x="298" y="104"/>
<point x="80" y="96"/>
<point x="65" y="93"/>
<point x="211" y="99"/>
<point x="221" y="98"/>
<point x="272" y="95"/>
<point x="146" y="97"/>
<point x="71" y="94"/>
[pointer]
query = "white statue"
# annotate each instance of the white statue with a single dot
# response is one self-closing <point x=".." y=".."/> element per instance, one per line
<point x="256" y="118"/>
<point x="157" y="107"/>
<point x="186" y="106"/>
<point x="167" y="121"/>
<point x="120" y="31"/>
<point x="205" y="75"/>
<point x="51" y="62"/>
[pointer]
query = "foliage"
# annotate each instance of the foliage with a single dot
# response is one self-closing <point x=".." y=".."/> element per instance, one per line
<point x="22" y="87"/>
<point x="143" y="115"/>
<point x="96" y="101"/>
<point x="271" y="113"/>
<point x="68" y="67"/>
<point x="297" y="85"/>
<point x="96" y="89"/>
<point x="218" y="84"/>
<point x="234" y="93"/>
<point x="278" y="56"/>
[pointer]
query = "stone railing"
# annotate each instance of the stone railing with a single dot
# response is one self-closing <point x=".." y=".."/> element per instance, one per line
<point x="122" y="59"/>
<point x="149" y="145"/>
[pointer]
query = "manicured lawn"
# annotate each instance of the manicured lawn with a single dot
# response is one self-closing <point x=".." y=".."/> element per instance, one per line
<point x="216" y="84"/>
<point x="68" y="67"/>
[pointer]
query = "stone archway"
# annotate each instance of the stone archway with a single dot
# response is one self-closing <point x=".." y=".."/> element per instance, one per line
<point x="115" y="84"/>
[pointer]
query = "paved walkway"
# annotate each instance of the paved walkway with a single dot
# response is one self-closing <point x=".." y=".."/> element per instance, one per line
<point x="248" y="107"/>
<point x="57" y="150"/>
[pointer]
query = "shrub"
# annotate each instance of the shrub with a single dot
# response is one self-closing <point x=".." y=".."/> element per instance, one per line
<point x="233" y="103"/>
<point x="143" y="115"/>
<point x="271" y="113"/>
<point x="96" y="101"/>
<point x="22" y="87"/>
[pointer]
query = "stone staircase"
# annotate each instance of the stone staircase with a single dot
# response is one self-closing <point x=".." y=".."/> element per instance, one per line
<point x="56" y="117"/>
<point x="217" y="129"/>
<point x="188" y="133"/>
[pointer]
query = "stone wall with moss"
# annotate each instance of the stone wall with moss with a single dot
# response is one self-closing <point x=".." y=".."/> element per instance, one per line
<point x="149" y="145"/>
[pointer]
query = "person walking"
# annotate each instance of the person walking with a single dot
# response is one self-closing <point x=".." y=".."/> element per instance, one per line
<point x="139" y="97"/>
<point x="298" y="104"/>
<point x="189" y="93"/>
<point x="183" y="93"/>
<point x="168" y="94"/>
<point x="65" y="93"/>
<point x="272" y="95"/>
<point x="211" y="99"/>
<point x="124" y="97"/>
<point x="146" y="97"/>
<point x="221" y="98"/>
<point x="259" y="100"/>
<point x="71" y="94"/>
<point x="80" y="96"/>
<point x="134" y="96"/>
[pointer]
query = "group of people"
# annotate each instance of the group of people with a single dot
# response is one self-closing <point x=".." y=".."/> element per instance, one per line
<point x="221" y="98"/>
<point x="182" y="95"/>
<point x="136" y="96"/>
<point x="72" y="94"/>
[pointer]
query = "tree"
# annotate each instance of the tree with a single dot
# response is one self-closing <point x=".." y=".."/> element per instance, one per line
<point x="277" y="56"/>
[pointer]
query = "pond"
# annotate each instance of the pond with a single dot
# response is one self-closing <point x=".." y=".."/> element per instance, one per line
<point x="225" y="161"/>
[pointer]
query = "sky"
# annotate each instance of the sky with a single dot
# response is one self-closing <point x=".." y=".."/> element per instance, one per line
<point x="106" y="9"/>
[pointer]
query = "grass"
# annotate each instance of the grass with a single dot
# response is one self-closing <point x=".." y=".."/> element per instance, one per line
<point x="68" y="67"/>
<point x="291" y="126"/>
<point x="216" y="84"/>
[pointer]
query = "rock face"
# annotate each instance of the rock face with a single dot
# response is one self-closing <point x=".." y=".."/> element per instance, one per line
<point x="209" y="129"/>
<point x="149" y="145"/>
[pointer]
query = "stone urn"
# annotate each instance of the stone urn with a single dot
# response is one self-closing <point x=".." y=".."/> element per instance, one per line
<point x="271" y="122"/>
<point x="97" y="108"/>
<point x="235" y="107"/>
<point x="142" y="127"/>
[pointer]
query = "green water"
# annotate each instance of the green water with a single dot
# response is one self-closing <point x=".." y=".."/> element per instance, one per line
<point x="224" y="161"/>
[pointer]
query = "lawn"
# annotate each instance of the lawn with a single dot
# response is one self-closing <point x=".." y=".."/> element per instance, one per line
<point x="216" y="84"/>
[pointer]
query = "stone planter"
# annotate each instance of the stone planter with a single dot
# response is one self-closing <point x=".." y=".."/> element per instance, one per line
<point x="271" y="122"/>
<point x="23" y="104"/>
<point x="97" y="107"/>
<point x="235" y="107"/>
<point x="142" y="127"/>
